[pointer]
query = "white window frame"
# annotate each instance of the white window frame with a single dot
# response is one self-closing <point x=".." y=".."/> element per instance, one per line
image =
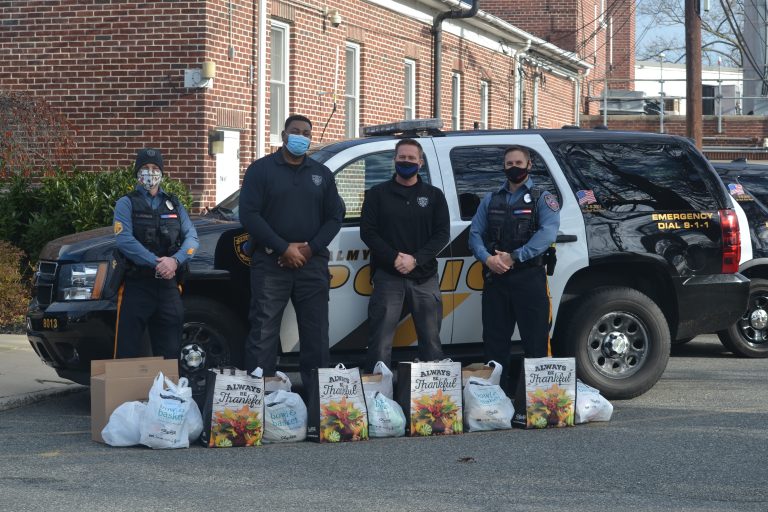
<point x="409" y="86"/>
<point x="276" y="125"/>
<point x="485" y="98"/>
<point x="455" y="101"/>
<point x="353" y="130"/>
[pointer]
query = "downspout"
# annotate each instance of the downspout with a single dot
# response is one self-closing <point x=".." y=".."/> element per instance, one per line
<point x="437" y="32"/>
<point x="261" y="80"/>
<point x="520" y="84"/>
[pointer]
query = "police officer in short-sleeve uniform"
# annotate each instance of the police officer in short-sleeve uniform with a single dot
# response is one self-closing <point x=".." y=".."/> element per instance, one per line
<point x="156" y="237"/>
<point x="510" y="232"/>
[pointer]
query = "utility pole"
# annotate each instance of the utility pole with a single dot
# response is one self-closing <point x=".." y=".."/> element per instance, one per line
<point x="693" y="107"/>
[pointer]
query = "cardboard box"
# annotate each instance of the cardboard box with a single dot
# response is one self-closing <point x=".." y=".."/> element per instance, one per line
<point x="115" y="381"/>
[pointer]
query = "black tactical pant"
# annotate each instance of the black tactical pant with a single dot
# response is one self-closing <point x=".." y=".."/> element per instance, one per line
<point x="422" y="299"/>
<point x="520" y="296"/>
<point x="149" y="303"/>
<point x="271" y="287"/>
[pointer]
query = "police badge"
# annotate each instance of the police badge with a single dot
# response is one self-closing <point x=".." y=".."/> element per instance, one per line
<point x="527" y="198"/>
<point x="169" y="204"/>
<point x="422" y="201"/>
<point x="317" y="179"/>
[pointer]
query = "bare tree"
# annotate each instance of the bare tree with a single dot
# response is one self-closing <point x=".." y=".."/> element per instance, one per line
<point x="718" y="40"/>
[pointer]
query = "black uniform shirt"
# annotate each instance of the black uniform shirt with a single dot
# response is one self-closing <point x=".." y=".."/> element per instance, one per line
<point x="282" y="203"/>
<point x="412" y="220"/>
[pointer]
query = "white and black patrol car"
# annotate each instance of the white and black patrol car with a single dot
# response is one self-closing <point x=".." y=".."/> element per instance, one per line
<point x="648" y="252"/>
<point x="748" y="185"/>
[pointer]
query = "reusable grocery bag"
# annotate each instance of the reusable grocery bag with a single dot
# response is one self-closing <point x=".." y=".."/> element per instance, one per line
<point x="234" y="408"/>
<point x="490" y="372"/>
<point x="285" y="417"/>
<point x="164" y="423"/>
<point x="591" y="405"/>
<point x="379" y="381"/>
<point x="430" y="395"/>
<point x="278" y="382"/>
<point x="337" y="410"/>
<point x="546" y="393"/>
<point x="486" y="406"/>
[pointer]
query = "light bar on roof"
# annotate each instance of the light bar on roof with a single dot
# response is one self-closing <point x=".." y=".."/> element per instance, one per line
<point x="415" y="125"/>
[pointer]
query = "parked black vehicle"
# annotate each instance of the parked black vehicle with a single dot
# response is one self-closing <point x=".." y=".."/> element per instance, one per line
<point x="647" y="253"/>
<point x="748" y="184"/>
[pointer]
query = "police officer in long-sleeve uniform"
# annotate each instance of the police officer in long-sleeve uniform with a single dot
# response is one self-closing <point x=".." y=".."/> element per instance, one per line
<point x="156" y="237"/>
<point x="291" y="208"/>
<point x="510" y="234"/>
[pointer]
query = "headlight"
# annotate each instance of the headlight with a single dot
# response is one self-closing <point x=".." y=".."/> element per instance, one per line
<point x="82" y="281"/>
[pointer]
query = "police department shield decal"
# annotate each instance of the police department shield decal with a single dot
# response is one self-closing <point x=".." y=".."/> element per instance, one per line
<point x="422" y="201"/>
<point x="317" y="180"/>
<point x="551" y="201"/>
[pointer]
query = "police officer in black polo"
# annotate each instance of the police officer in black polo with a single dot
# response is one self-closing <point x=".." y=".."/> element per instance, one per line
<point x="510" y="234"/>
<point x="156" y="238"/>
<point x="291" y="209"/>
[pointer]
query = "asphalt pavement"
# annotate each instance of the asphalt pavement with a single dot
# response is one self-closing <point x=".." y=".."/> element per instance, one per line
<point x="24" y="379"/>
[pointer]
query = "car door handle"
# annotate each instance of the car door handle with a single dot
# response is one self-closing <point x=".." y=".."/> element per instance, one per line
<point x="561" y="238"/>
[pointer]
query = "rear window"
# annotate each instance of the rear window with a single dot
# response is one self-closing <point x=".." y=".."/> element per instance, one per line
<point x="639" y="177"/>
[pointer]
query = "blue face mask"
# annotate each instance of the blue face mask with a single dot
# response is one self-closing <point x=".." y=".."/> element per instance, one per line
<point x="406" y="169"/>
<point x="297" y="144"/>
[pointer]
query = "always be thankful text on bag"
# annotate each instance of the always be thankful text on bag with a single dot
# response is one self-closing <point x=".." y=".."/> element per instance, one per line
<point x="234" y="408"/>
<point x="430" y="395"/>
<point x="337" y="410"/>
<point x="546" y="393"/>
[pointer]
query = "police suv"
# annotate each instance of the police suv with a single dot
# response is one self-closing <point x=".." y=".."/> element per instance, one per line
<point x="648" y="252"/>
<point x="748" y="185"/>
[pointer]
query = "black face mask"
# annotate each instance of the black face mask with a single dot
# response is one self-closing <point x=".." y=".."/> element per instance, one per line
<point x="516" y="174"/>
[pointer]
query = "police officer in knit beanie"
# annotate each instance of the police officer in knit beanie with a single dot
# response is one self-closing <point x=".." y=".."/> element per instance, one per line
<point x="148" y="156"/>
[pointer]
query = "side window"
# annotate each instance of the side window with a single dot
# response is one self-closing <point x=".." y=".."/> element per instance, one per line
<point x="624" y="177"/>
<point x="478" y="170"/>
<point x="359" y="175"/>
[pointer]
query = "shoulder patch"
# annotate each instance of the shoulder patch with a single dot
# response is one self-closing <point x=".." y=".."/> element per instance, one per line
<point x="551" y="201"/>
<point x="118" y="227"/>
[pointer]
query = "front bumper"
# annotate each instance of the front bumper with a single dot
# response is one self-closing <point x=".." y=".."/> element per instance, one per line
<point x="68" y="336"/>
<point x="710" y="303"/>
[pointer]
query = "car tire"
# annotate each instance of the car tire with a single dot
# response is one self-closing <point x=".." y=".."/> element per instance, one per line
<point x="621" y="341"/>
<point x="216" y="329"/>
<point x="748" y="336"/>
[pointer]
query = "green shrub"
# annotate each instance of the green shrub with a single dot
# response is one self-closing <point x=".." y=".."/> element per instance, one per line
<point x="14" y="295"/>
<point x="66" y="202"/>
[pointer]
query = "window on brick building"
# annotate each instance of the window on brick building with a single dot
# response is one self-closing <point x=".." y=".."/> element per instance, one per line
<point x="485" y="98"/>
<point x="456" y="101"/>
<point x="410" y="89"/>
<point x="278" y="80"/>
<point x="352" y="91"/>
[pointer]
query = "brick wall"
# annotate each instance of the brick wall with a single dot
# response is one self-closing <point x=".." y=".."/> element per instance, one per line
<point x="116" y="70"/>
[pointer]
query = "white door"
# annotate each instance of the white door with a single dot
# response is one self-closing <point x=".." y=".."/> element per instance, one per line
<point x="228" y="166"/>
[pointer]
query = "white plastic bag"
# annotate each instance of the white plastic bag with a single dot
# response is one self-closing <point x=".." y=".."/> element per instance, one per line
<point x="285" y="417"/>
<point x="380" y="381"/>
<point x="482" y="371"/>
<point x="486" y="406"/>
<point x="591" y="405"/>
<point x="194" y="422"/>
<point x="164" y="423"/>
<point x="385" y="416"/>
<point x="276" y="383"/>
<point x="124" y="426"/>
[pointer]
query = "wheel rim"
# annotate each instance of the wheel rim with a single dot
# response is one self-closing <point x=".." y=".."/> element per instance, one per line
<point x="618" y="345"/>
<point x="216" y="348"/>
<point x="753" y="325"/>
